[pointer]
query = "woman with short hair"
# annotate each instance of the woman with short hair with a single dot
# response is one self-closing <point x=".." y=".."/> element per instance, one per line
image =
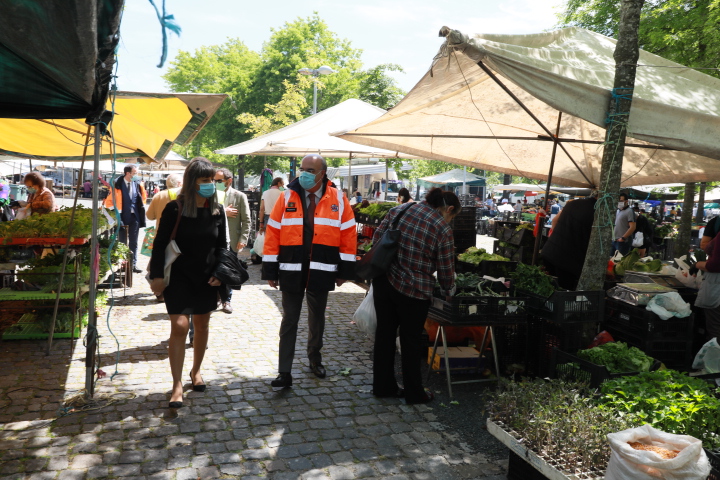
<point x="192" y="289"/>
<point x="40" y="199"/>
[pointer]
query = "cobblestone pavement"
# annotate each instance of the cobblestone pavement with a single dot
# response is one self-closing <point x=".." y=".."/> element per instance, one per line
<point x="240" y="427"/>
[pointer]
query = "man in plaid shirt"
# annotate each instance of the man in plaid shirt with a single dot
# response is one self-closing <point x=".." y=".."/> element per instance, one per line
<point x="402" y="296"/>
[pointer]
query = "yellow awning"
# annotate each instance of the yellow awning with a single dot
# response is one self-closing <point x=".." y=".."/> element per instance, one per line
<point x="145" y="125"/>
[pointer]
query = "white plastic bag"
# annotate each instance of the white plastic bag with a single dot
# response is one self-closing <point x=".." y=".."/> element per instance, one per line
<point x="638" y="239"/>
<point x="365" y="317"/>
<point x="668" y="305"/>
<point x="23" y="213"/>
<point x="626" y="463"/>
<point x="259" y="244"/>
<point x="708" y="358"/>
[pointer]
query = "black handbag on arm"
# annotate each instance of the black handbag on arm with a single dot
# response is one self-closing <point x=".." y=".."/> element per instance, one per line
<point x="377" y="261"/>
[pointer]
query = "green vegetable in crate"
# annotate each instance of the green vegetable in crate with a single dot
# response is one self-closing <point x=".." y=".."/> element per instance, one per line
<point x="531" y="279"/>
<point x="476" y="255"/>
<point x="378" y="210"/>
<point x="467" y="281"/>
<point x="524" y="226"/>
<point x="618" y="357"/>
<point x="627" y="262"/>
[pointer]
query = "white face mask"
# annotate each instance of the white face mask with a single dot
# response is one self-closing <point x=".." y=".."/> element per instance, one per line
<point x="621" y="205"/>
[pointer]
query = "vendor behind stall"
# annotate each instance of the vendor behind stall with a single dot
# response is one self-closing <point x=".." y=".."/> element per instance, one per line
<point x="564" y="252"/>
<point x="712" y="315"/>
<point x="40" y="199"/>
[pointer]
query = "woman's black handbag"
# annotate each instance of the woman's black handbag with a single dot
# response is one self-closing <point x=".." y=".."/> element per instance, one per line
<point x="377" y="261"/>
<point x="229" y="270"/>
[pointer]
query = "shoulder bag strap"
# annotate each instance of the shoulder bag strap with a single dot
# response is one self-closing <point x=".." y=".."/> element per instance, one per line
<point x="177" y="222"/>
<point x="396" y="220"/>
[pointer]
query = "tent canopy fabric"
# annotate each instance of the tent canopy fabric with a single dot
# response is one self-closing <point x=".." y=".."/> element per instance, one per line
<point x="57" y="57"/>
<point x="451" y="179"/>
<point x="311" y="135"/>
<point x="145" y="125"/>
<point x="343" y="171"/>
<point x="458" y="113"/>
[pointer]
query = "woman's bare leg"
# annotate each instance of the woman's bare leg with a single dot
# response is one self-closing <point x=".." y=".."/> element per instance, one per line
<point x="176" y="348"/>
<point x="200" y="322"/>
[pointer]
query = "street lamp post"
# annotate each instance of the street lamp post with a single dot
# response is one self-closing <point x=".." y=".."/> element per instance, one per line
<point x="316" y="72"/>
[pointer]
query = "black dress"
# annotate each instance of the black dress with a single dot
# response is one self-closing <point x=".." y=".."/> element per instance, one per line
<point x="198" y="239"/>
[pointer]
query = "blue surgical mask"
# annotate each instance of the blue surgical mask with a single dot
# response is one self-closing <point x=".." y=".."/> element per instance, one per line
<point x="220" y="186"/>
<point x="31" y="190"/>
<point x="136" y="178"/>
<point x="206" y="190"/>
<point x="307" y="180"/>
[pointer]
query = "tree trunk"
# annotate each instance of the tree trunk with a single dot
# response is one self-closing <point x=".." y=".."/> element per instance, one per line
<point x="700" y="217"/>
<point x="626" y="56"/>
<point x="682" y="242"/>
<point x="241" y="172"/>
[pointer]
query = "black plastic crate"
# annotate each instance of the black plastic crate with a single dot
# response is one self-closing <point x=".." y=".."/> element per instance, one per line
<point x="570" y="367"/>
<point x="674" y="353"/>
<point x="515" y="357"/>
<point x="479" y="310"/>
<point x="464" y="240"/>
<point x="520" y="469"/>
<point x="640" y="321"/>
<point x="492" y="268"/>
<point x="547" y="335"/>
<point x="568" y="306"/>
<point x="714" y="457"/>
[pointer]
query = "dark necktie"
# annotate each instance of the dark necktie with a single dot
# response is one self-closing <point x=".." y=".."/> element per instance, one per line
<point x="311" y="207"/>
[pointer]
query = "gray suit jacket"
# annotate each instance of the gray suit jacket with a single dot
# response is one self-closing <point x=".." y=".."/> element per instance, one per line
<point x="238" y="227"/>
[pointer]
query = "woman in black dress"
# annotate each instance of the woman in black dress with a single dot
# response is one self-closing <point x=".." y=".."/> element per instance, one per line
<point x="192" y="289"/>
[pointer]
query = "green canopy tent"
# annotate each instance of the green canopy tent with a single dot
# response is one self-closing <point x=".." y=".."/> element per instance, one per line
<point x="57" y="58"/>
<point x="451" y="179"/>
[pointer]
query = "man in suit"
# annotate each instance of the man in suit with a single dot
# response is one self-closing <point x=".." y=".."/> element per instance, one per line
<point x="130" y="198"/>
<point x="310" y="246"/>
<point x="237" y="210"/>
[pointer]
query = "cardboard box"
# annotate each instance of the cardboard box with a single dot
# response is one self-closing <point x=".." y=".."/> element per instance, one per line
<point x="460" y="358"/>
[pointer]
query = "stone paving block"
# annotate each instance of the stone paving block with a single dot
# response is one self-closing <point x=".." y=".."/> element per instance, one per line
<point x="340" y="473"/>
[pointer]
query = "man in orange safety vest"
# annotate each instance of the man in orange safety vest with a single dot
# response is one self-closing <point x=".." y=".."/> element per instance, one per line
<point x="310" y="246"/>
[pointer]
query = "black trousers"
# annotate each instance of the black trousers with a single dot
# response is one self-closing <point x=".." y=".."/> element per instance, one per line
<point x="129" y="236"/>
<point x="292" y="305"/>
<point x="393" y="310"/>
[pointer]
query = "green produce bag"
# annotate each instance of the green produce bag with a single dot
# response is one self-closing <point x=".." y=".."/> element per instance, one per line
<point x="148" y="241"/>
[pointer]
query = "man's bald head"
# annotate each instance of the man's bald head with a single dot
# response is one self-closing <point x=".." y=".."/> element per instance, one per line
<point x="317" y="161"/>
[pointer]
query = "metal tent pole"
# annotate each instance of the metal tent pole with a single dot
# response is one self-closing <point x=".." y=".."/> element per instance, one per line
<point x="92" y="336"/>
<point x="541" y="220"/>
<point x="350" y="187"/>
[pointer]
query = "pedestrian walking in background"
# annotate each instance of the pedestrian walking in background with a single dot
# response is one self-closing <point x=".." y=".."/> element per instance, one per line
<point x="310" y="245"/>
<point x="237" y="210"/>
<point x="192" y="290"/>
<point x="158" y="204"/>
<point x="624" y="226"/>
<point x="404" y="196"/>
<point x="130" y="197"/>
<point x="402" y="296"/>
<point x="268" y="199"/>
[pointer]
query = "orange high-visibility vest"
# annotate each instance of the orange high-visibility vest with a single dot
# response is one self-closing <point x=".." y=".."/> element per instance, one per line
<point x="332" y="253"/>
<point x="118" y="197"/>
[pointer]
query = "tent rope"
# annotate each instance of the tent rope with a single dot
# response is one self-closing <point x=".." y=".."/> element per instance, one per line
<point x="166" y="22"/>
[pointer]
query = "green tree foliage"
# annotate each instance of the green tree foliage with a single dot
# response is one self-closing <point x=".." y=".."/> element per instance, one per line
<point x="267" y="91"/>
<point x="378" y="88"/>
<point x="229" y="68"/>
<point x="306" y="43"/>
<point x="683" y="31"/>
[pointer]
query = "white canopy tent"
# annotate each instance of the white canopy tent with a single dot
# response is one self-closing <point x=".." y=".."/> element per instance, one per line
<point x="560" y="84"/>
<point x="312" y="135"/>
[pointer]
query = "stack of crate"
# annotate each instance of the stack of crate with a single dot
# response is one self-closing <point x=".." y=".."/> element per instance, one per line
<point x="464" y="229"/>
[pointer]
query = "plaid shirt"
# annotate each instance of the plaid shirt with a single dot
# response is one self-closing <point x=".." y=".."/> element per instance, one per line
<point x="426" y="246"/>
